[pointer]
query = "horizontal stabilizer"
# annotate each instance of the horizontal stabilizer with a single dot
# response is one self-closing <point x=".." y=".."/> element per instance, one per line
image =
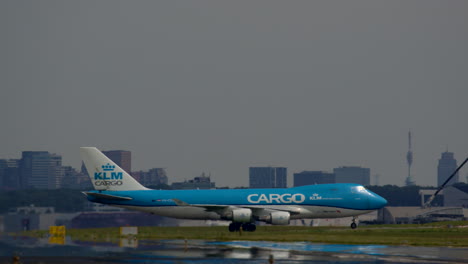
<point x="107" y="196"/>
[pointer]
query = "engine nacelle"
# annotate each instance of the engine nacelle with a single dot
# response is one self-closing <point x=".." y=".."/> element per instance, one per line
<point x="279" y="218"/>
<point x="241" y="215"/>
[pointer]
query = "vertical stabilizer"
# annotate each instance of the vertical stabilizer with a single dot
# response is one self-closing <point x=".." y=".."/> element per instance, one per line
<point x="105" y="174"/>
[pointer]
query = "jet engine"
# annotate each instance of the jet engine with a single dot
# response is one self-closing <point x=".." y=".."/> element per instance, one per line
<point x="278" y="218"/>
<point x="241" y="215"/>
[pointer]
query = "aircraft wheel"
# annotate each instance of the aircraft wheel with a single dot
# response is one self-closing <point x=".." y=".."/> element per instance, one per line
<point x="253" y="228"/>
<point x="246" y="227"/>
<point x="232" y="227"/>
<point x="353" y="225"/>
<point x="249" y="227"/>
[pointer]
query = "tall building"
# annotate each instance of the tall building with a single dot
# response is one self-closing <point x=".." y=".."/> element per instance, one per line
<point x="268" y="177"/>
<point x="9" y="174"/>
<point x="313" y="177"/>
<point x="123" y="158"/>
<point x="352" y="175"/>
<point x="447" y="165"/>
<point x="281" y="180"/>
<point x="73" y="179"/>
<point x="41" y="170"/>
<point x="57" y="172"/>
<point x="153" y="177"/>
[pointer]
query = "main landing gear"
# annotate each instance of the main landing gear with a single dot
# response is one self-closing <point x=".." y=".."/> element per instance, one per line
<point x="353" y="224"/>
<point x="248" y="227"/>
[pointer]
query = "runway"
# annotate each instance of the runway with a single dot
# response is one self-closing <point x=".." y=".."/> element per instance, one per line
<point x="30" y="250"/>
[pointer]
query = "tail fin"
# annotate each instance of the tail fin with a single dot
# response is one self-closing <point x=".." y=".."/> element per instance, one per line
<point x="105" y="174"/>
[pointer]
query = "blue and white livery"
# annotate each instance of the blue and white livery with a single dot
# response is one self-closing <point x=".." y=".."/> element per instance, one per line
<point x="114" y="186"/>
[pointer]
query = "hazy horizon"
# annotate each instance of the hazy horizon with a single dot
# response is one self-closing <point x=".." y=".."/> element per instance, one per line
<point x="217" y="87"/>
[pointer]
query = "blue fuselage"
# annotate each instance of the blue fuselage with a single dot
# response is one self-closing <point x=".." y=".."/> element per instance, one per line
<point x="352" y="197"/>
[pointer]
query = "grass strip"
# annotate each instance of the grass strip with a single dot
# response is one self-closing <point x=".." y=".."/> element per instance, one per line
<point x="452" y="234"/>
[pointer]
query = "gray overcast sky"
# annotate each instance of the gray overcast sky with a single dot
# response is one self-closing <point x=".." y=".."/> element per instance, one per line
<point x="219" y="86"/>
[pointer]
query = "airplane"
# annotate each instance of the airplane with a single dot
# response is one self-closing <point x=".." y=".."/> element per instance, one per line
<point x="243" y="207"/>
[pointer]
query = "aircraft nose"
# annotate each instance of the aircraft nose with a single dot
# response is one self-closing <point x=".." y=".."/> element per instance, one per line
<point x="377" y="202"/>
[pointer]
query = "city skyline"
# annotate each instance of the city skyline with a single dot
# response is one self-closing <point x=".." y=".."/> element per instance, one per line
<point x="290" y="176"/>
<point x="220" y="87"/>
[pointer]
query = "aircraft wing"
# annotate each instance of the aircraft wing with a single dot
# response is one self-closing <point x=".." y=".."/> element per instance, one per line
<point x="256" y="210"/>
<point x="214" y="208"/>
<point x="272" y="208"/>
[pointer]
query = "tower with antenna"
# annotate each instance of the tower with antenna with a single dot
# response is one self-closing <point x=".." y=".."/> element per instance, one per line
<point x="409" y="159"/>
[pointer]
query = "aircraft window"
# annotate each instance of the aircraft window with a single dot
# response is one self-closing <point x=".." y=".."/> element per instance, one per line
<point x="358" y="189"/>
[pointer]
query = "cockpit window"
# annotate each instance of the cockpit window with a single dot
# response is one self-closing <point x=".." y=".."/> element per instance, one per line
<point x="359" y="189"/>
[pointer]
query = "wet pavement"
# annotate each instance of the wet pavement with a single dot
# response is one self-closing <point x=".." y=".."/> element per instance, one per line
<point x="30" y="250"/>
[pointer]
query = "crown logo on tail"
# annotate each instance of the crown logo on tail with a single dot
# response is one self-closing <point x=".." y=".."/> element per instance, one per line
<point x="108" y="167"/>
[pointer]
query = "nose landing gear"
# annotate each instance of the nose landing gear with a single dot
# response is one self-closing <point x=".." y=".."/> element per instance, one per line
<point x="353" y="224"/>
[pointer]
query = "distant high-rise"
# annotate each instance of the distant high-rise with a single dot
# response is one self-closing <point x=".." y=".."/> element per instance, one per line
<point x="281" y="175"/>
<point x="409" y="159"/>
<point x="123" y="158"/>
<point x="153" y="177"/>
<point x="447" y="165"/>
<point x="41" y="170"/>
<point x="268" y="177"/>
<point x="9" y="174"/>
<point x="376" y="179"/>
<point x="70" y="177"/>
<point x="352" y="175"/>
<point x="313" y="177"/>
